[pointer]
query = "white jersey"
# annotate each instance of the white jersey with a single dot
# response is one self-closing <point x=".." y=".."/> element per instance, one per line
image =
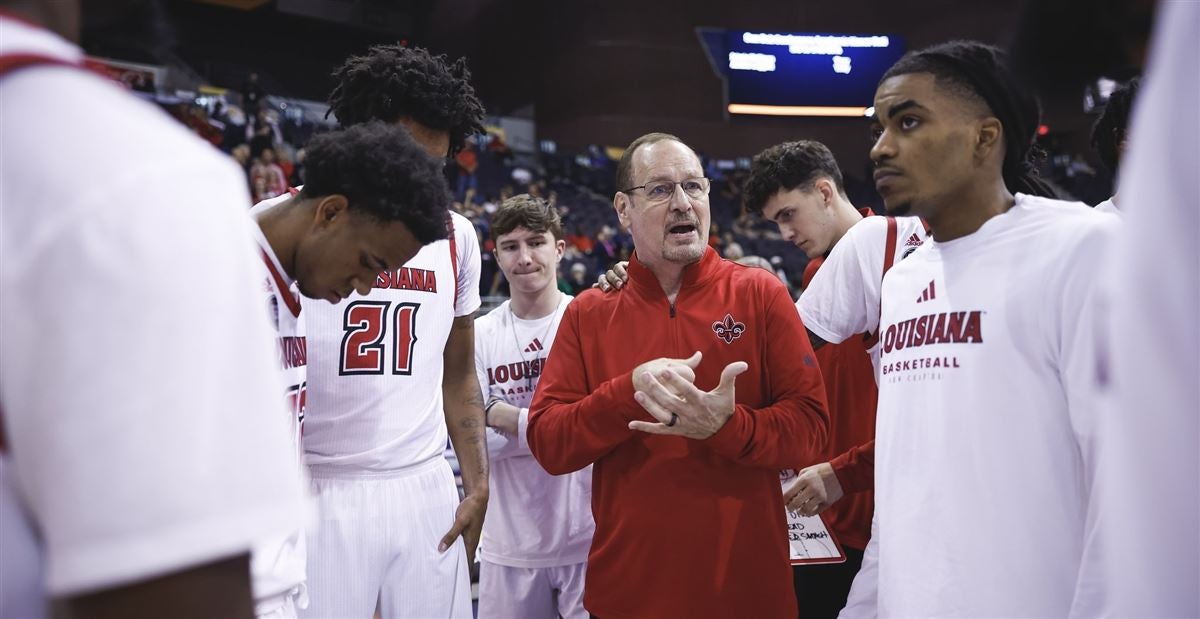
<point x="842" y="300"/>
<point x="139" y="390"/>
<point x="1144" y="559"/>
<point x="375" y="361"/>
<point x="1108" y="206"/>
<point x="983" y="431"/>
<point x="534" y="519"/>
<point x="278" y="563"/>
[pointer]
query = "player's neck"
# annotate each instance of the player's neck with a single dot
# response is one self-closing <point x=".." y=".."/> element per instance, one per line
<point x="845" y="216"/>
<point x="282" y="232"/>
<point x="965" y="213"/>
<point x="535" y="305"/>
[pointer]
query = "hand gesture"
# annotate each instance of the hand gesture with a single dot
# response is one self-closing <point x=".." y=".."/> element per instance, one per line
<point x="670" y="396"/>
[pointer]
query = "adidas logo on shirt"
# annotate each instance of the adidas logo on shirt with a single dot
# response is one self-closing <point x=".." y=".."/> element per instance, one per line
<point x="913" y="241"/>
<point x="534" y="346"/>
<point x="928" y="294"/>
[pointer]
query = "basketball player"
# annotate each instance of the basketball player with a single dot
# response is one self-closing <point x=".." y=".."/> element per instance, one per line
<point x="983" y="453"/>
<point x="1110" y="134"/>
<point x="390" y="372"/>
<point x="372" y="199"/>
<point x="143" y="440"/>
<point x="798" y="185"/>
<point x="539" y="527"/>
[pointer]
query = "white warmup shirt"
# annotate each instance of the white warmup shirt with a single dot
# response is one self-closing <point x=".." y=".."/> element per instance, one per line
<point x="278" y="563"/>
<point x="534" y="519"/>
<point x="139" y="388"/>
<point x="984" y="425"/>
<point x="1144" y="559"/>
<point x="842" y="300"/>
<point x="375" y="363"/>
<point x="1108" y="206"/>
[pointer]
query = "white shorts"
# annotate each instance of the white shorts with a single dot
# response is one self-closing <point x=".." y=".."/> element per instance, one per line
<point x="376" y="542"/>
<point x="531" y="592"/>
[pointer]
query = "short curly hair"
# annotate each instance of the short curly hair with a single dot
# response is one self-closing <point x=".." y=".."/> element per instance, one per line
<point x="1112" y="126"/>
<point x="382" y="172"/>
<point x="788" y="166"/>
<point x="392" y="82"/>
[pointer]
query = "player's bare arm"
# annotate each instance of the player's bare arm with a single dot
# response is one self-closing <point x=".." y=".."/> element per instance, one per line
<point x="218" y="589"/>
<point x="468" y="434"/>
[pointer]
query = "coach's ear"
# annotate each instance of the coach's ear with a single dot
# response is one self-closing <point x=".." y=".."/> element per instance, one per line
<point x="330" y="211"/>
<point x="621" y="203"/>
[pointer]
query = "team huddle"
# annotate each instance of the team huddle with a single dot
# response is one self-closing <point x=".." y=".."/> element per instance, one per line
<point x="620" y="451"/>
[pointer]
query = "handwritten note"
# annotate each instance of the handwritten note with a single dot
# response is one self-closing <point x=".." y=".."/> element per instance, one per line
<point x="809" y="537"/>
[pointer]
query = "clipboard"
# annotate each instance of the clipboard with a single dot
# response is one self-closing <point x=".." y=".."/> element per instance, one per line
<point x="810" y="540"/>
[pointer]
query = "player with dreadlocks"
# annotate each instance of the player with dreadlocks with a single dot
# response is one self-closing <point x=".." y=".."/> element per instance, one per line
<point x="983" y="437"/>
<point x="1110" y="134"/>
<point x="390" y="374"/>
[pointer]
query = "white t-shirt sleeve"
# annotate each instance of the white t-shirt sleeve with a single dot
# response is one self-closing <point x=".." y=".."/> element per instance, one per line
<point x="466" y="244"/>
<point x="141" y="391"/>
<point x="842" y="300"/>
<point x="497" y="444"/>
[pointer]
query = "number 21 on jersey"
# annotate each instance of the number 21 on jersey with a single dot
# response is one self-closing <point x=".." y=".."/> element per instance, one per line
<point x="366" y="340"/>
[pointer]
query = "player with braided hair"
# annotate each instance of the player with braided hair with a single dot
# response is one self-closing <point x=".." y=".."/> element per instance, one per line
<point x="985" y="422"/>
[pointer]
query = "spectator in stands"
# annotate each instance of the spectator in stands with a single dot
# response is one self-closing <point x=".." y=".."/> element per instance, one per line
<point x="252" y="96"/>
<point x="241" y="154"/>
<point x="733" y="251"/>
<point x="579" y="240"/>
<point x="579" y="279"/>
<point x="467" y="161"/>
<point x="1110" y="135"/>
<point x="266" y="176"/>
<point x="604" y="251"/>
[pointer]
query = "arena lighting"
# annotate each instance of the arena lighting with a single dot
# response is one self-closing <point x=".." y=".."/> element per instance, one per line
<point x="797" y="110"/>
<point x="1043" y="129"/>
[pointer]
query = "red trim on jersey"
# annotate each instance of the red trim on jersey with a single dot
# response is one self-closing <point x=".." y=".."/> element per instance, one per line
<point x="453" y="256"/>
<point x="889" y="257"/>
<point x="15" y="62"/>
<point x="889" y="249"/>
<point x="289" y="299"/>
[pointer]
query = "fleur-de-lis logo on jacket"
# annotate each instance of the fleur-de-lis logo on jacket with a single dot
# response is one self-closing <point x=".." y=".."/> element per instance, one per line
<point x="728" y="329"/>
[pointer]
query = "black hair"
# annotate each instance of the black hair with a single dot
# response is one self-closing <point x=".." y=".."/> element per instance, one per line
<point x="1112" y="125"/>
<point x="785" y="167"/>
<point x="382" y="172"/>
<point x="982" y="73"/>
<point x="393" y="81"/>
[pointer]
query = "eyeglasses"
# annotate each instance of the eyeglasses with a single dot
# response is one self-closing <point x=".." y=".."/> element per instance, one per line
<point x="661" y="191"/>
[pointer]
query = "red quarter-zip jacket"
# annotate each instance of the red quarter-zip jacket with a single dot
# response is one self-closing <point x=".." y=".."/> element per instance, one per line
<point x="684" y="528"/>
